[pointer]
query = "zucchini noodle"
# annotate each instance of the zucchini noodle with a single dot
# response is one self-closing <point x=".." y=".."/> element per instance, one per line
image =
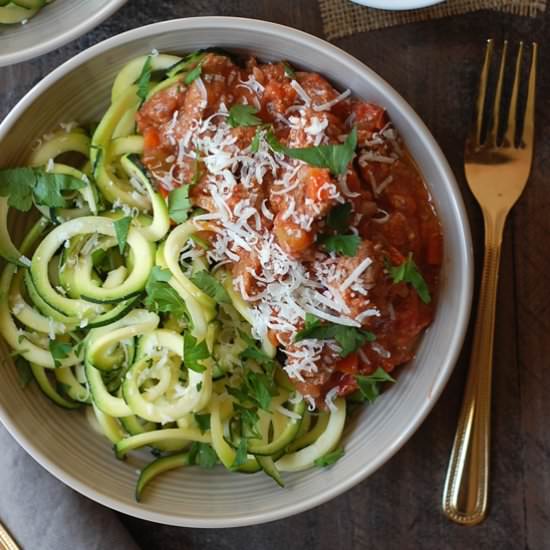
<point x="20" y="11"/>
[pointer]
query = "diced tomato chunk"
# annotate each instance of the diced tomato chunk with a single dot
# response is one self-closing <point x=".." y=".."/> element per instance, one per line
<point x="349" y="364"/>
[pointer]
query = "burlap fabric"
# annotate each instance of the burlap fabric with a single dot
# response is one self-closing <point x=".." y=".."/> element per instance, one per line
<point x="343" y="18"/>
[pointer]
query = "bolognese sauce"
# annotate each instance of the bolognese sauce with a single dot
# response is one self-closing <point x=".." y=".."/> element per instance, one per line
<point x="339" y="265"/>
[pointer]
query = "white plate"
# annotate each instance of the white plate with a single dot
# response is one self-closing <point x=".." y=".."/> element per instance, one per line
<point x="63" y="442"/>
<point x="52" y="27"/>
<point x="394" y="5"/>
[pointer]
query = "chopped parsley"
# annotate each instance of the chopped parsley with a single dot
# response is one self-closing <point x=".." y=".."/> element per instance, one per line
<point x="59" y="351"/>
<point x="144" y="79"/>
<point x="203" y="421"/>
<point x="243" y="115"/>
<point x="241" y="454"/>
<point x="408" y="272"/>
<point x="346" y="245"/>
<point x="330" y="458"/>
<point x="289" y="70"/>
<point x="193" y="74"/>
<point x="350" y="339"/>
<point x="24" y="371"/>
<point x="334" y="157"/>
<point x="338" y="217"/>
<point x="211" y="286"/>
<point x="257" y="388"/>
<point x="161" y="297"/>
<point x="23" y="185"/>
<point x="249" y="421"/>
<point x="122" y="226"/>
<point x="179" y="204"/>
<point x="194" y="352"/>
<point x="369" y="386"/>
<point x="203" y="455"/>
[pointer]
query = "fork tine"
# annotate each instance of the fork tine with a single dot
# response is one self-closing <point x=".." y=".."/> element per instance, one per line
<point x="492" y="136"/>
<point x="482" y="94"/>
<point x="529" y="118"/>
<point x="510" y="135"/>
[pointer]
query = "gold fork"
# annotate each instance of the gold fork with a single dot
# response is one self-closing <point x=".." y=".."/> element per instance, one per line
<point x="6" y="542"/>
<point x="497" y="171"/>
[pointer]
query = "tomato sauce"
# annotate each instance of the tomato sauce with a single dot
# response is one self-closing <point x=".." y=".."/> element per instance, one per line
<point x="391" y="209"/>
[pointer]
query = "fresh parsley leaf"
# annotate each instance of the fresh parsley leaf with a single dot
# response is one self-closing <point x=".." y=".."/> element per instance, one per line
<point x="24" y="371"/>
<point x="311" y="321"/>
<point x="347" y="245"/>
<point x="330" y="458"/>
<point x="289" y="71"/>
<point x="203" y="421"/>
<point x="241" y="393"/>
<point x="59" y="351"/>
<point x="122" y="226"/>
<point x="241" y="454"/>
<point x="338" y="217"/>
<point x="179" y="204"/>
<point x="260" y="388"/>
<point x="211" y="286"/>
<point x="249" y="421"/>
<point x="408" y="272"/>
<point x="334" y="157"/>
<point x="243" y="115"/>
<point x="350" y="339"/>
<point x="273" y="142"/>
<point x="203" y="455"/>
<point x="194" y="352"/>
<point x="369" y="386"/>
<point x="255" y="143"/>
<point x="144" y="79"/>
<point x="199" y="386"/>
<point x="193" y="74"/>
<point x="254" y="353"/>
<point x="161" y="297"/>
<point x="22" y="185"/>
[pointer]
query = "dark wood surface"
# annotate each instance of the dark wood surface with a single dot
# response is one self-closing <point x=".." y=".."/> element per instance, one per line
<point x="434" y="65"/>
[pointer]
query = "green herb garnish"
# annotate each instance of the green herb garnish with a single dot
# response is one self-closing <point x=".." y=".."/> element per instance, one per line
<point x="330" y="458"/>
<point x="122" y="226"/>
<point x="408" y="272"/>
<point x="211" y="286"/>
<point x="144" y="79"/>
<point x="193" y="74"/>
<point x="161" y="297"/>
<point x="23" y="185"/>
<point x="243" y="115"/>
<point x="179" y="204"/>
<point x="338" y="217"/>
<point x="59" y="351"/>
<point x="203" y="421"/>
<point x="24" y="371"/>
<point x="194" y="352"/>
<point x="369" y="386"/>
<point x="203" y="455"/>
<point x="347" y="245"/>
<point x="350" y="339"/>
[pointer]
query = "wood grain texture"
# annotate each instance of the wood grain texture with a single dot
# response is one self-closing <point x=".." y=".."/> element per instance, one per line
<point x="434" y="65"/>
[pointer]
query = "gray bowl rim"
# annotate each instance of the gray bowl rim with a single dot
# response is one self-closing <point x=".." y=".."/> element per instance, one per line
<point x="59" y="40"/>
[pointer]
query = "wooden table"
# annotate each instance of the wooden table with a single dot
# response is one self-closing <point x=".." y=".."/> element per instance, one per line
<point x="434" y="65"/>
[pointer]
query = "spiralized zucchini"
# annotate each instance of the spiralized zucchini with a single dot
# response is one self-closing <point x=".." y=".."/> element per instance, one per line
<point x="19" y="11"/>
<point x="98" y="300"/>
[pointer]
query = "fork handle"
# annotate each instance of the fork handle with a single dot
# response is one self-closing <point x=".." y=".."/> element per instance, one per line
<point x="467" y="483"/>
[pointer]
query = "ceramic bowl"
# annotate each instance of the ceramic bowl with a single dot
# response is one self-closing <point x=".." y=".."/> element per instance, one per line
<point x="398" y="5"/>
<point x="64" y="443"/>
<point x="52" y="27"/>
